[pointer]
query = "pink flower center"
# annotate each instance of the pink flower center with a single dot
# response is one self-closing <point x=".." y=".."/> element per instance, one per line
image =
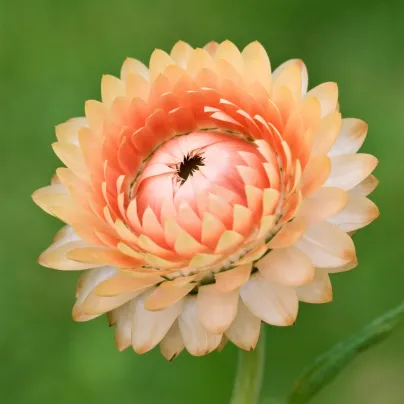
<point x="205" y="171"/>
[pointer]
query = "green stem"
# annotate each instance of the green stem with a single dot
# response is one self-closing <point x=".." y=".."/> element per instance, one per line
<point x="247" y="385"/>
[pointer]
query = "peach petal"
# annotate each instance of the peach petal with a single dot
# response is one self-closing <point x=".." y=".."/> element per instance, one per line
<point x="123" y="283"/>
<point x="102" y="256"/>
<point x="315" y="175"/>
<point x="228" y="241"/>
<point x="288" y="234"/>
<point x="326" y="134"/>
<point x="169" y="293"/>
<point x="233" y="279"/>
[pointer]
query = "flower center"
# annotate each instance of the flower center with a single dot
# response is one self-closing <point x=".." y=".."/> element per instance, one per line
<point x="188" y="166"/>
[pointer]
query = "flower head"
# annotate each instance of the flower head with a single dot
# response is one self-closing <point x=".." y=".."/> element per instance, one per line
<point x="204" y="195"/>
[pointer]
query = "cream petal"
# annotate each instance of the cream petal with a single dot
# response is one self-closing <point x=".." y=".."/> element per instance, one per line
<point x="351" y="137"/>
<point x="326" y="134"/>
<point x="257" y="66"/>
<point x="244" y="331"/>
<point x="349" y="170"/>
<point x="111" y="87"/>
<point x="326" y="245"/>
<point x="358" y="213"/>
<point x="95" y="305"/>
<point x="88" y="305"/>
<point x="197" y="340"/>
<point x="159" y="61"/>
<point x="318" y="291"/>
<point x="180" y="53"/>
<point x="216" y="309"/>
<point x="123" y="325"/>
<point x="229" y="52"/>
<point x="366" y="187"/>
<point x="56" y="256"/>
<point x="273" y="303"/>
<point x="200" y="59"/>
<point x="134" y="66"/>
<point x="137" y="87"/>
<point x="150" y="327"/>
<point x="172" y="345"/>
<point x="327" y="94"/>
<point x="288" y="266"/>
<point x="294" y="65"/>
<point x="323" y="204"/>
<point x="343" y="268"/>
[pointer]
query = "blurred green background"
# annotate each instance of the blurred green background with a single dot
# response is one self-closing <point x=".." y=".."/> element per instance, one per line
<point x="52" y="56"/>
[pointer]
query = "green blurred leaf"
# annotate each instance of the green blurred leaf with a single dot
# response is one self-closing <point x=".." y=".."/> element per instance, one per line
<point x="327" y="366"/>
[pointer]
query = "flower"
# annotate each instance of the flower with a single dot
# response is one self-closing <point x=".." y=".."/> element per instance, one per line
<point x="204" y="195"/>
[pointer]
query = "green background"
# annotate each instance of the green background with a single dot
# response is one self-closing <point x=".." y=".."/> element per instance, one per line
<point x="52" y="56"/>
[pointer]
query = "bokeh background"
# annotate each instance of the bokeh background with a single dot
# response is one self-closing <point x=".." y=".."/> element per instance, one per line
<point x="52" y="56"/>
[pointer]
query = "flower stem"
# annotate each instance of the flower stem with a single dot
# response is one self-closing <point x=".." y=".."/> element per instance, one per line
<point x="247" y="385"/>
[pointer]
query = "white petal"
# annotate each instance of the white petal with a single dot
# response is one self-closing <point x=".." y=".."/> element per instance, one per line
<point x="359" y="212"/>
<point x="351" y="137"/>
<point x="172" y="345"/>
<point x="326" y="245"/>
<point x="349" y="170"/>
<point x="288" y="266"/>
<point x="150" y="327"/>
<point x="322" y="204"/>
<point x="318" y="291"/>
<point x="123" y="330"/>
<point x="245" y="329"/>
<point x="366" y="187"/>
<point x="216" y="309"/>
<point x="273" y="303"/>
<point x="196" y="339"/>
